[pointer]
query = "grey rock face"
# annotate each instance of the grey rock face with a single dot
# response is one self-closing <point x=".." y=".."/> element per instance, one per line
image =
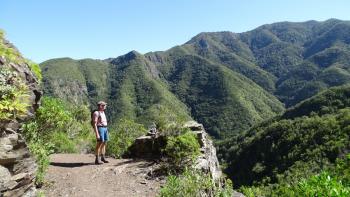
<point x="17" y="167"/>
<point x="147" y="147"/>
<point x="5" y="176"/>
<point x="207" y="161"/>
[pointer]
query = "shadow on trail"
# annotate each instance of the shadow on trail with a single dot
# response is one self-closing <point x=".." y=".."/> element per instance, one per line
<point x="70" y="165"/>
<point x="142" y="165"/>
<point x="125" y="162"/>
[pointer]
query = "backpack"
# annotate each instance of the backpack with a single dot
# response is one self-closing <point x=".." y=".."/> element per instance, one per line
<point x="92" y="117"/>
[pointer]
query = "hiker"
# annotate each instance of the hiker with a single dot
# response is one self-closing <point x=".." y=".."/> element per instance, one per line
<point x="101" y="131"/>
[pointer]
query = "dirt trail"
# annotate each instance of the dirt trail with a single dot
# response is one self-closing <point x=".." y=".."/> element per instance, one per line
<point x="76" y="175"/>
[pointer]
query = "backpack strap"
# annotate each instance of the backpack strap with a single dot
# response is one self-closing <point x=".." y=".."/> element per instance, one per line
<point x="99" y="116"/>
<point x="93" y="117"/>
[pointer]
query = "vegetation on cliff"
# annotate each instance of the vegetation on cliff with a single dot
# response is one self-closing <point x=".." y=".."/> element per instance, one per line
<point x="13" y="90"/>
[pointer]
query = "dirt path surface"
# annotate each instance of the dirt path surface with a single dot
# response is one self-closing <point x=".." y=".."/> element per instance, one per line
<point x="76" y="175"/>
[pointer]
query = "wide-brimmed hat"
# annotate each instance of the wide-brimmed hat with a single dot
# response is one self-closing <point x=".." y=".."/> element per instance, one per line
<point x="101" y="103"/>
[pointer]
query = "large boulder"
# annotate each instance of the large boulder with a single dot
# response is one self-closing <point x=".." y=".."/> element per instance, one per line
<point x="149" y="147"/>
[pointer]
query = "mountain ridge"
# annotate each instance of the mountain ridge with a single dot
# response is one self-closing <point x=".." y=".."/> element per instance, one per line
<point x="280" y="58"/>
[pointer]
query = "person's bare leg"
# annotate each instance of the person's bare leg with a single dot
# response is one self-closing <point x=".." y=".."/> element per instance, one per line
<point x="103" y="150"/>
<point x="97" y="149"/>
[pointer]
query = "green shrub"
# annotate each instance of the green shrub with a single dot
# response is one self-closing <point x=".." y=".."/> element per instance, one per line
<point x="41" y="152"/>
<point x="35" y="69"/>
<point x="10" y="54"/>
<point x="322" y="185"/>
<point x="122" y="137"/>
<point x="62" y="143"/>
<point x="52" y="116"/>
<point x="333" y="181"/>
<point x="66" y="127"/>
<point x="39" y="149"/>
<point x="13" y="95"/>
<point x="342" y="169"/>
<point x="251" y="191"/>
<point x="327" y="183"/>
<point x="80" y="113"/>
<point x="193" y="183"/>
<point x="182" y="149"/>
<point x="13" y="106"/>
<point x="54" y="129"/>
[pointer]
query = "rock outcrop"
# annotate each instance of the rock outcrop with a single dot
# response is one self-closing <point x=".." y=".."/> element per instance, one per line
<point x="150" y="147"/>
<point x="17" y="167"/>
<point x="208" y="160"/>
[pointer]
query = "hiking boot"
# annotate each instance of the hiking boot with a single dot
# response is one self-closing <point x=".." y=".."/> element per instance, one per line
<point x="104" y="161"/>
<point x="97" y="162"/>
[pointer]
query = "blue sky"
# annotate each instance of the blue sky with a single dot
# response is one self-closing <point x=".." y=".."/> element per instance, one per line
<point x="43" y="30"/>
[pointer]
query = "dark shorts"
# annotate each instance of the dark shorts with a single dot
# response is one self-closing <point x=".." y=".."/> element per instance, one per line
<point x="103" y="132"/>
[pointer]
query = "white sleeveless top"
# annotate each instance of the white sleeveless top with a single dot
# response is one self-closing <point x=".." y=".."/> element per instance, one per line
<point x="102" y="121"/>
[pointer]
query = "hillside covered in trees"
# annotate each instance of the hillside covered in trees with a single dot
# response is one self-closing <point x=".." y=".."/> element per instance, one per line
<point x="228" y="81"/>
<point x="305" y="140"/>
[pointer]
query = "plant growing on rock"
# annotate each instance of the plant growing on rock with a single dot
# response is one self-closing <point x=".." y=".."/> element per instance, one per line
<point x="182" y="149"/>
<point x="13" y="95"/>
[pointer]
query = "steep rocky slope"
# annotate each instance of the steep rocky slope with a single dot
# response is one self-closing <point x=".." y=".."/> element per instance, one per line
<point x="17" y="167"/>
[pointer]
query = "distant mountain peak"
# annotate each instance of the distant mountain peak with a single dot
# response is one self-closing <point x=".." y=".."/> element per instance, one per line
<point x="133" y="54"/>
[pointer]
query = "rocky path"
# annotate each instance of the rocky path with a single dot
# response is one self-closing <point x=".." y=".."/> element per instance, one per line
<point x="76" y="175"/>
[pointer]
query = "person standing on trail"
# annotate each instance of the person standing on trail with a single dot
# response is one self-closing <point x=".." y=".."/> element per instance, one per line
<point x="101" y="131"/>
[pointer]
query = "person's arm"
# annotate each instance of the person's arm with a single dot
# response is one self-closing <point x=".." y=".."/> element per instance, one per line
<point x="95" y="125"/>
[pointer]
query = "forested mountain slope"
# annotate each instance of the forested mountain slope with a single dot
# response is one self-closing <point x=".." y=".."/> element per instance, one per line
<point x="228" y="81"/>
<point x="125" y="83"/>
<point x="303" y="141"/>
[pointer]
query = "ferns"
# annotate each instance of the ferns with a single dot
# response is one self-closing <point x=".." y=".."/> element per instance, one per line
<point x="13" y="95"/>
